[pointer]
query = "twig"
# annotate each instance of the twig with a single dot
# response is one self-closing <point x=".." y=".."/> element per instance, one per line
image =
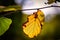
<point x="39" y="8"/>
<point x="10" y="12"/>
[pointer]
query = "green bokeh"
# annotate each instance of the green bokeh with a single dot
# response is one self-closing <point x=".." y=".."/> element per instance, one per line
<point x="4" y="24"/>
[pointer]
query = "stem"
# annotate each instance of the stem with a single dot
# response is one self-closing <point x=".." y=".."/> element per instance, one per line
<point x="10" y="12"/>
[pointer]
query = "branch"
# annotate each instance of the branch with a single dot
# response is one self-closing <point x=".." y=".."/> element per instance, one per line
<point x="39" y="8"/>
<point x="12" y="11"/>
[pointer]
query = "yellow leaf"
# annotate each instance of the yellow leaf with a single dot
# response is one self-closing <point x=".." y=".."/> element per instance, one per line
<point x="34" y="23"/>
<point x="10" y="9"/>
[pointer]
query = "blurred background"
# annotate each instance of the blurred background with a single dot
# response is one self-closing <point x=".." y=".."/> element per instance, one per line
<point x="51" y="27"/>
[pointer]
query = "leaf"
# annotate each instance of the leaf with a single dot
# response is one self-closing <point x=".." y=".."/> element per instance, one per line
<point x="32" y="27"/>
<point x="10" y="8"/>
<point x="50" y="1"/>
<point x="4" y="24"/>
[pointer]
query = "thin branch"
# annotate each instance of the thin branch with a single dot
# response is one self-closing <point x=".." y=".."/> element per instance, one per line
<point x="10" y="12"/>
<point x="39" y="8"/>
